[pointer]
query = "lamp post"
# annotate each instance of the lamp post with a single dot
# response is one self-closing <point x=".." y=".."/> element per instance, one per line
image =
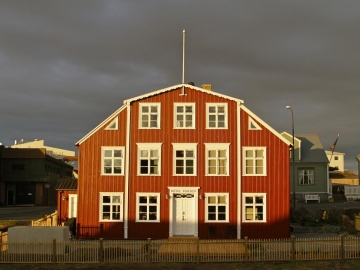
<point x="293" y="153"/>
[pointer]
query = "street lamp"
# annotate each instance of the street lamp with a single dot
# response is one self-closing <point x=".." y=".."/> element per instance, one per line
<point x="293" y="153"/>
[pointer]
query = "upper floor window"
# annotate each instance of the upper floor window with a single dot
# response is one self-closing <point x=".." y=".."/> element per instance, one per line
<point x="254" y="207"/>
<point x="149" y="158"/>
<point x="111" y="206"/>
<point x="184" y="158"/>
<point x="184" y="115"/>
<point x="306" y="177"/>
<point x="217" y="207"/>
<point x="336" y="157"/>
<point x="148" y="207"/>
<point x="217" y="156"/>
<point x="254" y="161"/>
<point x="113" y="125"/>
<point x="253" y="125"/>
<point x="113" y="160"/>
<point x="216" y="115"/>
<point x="19" y="167"/>
<point x="149" y="115"/>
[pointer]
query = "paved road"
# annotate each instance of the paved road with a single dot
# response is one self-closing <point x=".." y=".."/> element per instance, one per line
<point x="25" y="212"/>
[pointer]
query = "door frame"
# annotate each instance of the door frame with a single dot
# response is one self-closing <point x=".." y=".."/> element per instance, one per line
<point x="72" y="201"/>
<point x="188" y="190"/>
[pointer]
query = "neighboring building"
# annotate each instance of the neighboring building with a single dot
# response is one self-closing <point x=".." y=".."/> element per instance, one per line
<point x="337" y="160"/>
<point x="311" y="167"/>
<point x="66" y="199"/>
<point x="57" y="153"/>
<point x="29" y="176"/>
<point x="183" y="161"/>
<point x="358" y="160"/>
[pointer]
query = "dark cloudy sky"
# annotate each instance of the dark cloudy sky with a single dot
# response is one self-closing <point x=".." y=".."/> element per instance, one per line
<point x="65" y="66"/>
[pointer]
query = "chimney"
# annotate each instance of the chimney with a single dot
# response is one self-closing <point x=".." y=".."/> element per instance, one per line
<point x="207" y="86"/>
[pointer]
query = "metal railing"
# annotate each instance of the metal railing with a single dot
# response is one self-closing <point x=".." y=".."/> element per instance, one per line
<point x="95" y="251"/>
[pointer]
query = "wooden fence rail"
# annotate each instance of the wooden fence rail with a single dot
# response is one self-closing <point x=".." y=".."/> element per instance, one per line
<point x="195" y="250"/>
<point x="47" y="220"/>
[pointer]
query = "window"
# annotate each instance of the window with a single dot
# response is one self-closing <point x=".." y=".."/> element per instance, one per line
<point x="253" y="125"/>
<point x="254" y="161"/>
<point x="20" y="167"/>
<point x="111" y="206"/>
<point x="254" y="207"/>
<point x="184" y="157"/>
<point x="217" y="156"/>
<point x="148" y="207"/>
<point x="113" y="125"/>
<point x="149" y="159"/>
<point x="149" y="115"/>
<point x="336" y="158"/>
<point x="217" y="207"/>
<point x="216" y="115"/>
<point x="306" y="176"/>
<point x="113" y="160"/>
<point x="184" y="115"/>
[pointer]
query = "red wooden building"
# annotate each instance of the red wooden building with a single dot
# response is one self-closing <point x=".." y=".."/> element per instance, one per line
<point x="184" y="161"/>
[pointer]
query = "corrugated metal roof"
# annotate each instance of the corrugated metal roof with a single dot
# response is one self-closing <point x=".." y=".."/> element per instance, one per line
<point x="66" y="184"/>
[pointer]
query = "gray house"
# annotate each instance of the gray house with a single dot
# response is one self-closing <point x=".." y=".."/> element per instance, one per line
<point x="310" y="168"/>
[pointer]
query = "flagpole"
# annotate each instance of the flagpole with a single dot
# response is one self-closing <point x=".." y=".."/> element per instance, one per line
<point x="332" y="147"/>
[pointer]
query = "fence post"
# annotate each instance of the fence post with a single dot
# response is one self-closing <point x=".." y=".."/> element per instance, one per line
<point x="54" y="251"/>
<point x="148" y="244"/>
<point x="342" y="250"/>
<point x="197" y="250"/>
<point x="247" y="255"/>
<point x="293" y="248"/>
<point x="101" y="251"/>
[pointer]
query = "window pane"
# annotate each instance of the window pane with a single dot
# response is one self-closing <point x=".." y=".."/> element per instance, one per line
<point x="212" y="109"/>
<point x="189" y="153"/>
<point x="179" y="153"/>
<point x="117" y="153"/>
<point x="212" y="200"/>
<point x="154" y="109"/>
<point x="179" y="109"/>
<point x="222" y="199"/>
<point x="107" y="153"/>
<point x="144" y="153"/>
<point x="249" y="200"/>
<point x="145" y="109"/>
<point x="143" y="199"/>
<point x="106" y="199"/>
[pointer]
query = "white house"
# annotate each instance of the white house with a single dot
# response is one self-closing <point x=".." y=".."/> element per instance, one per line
<point x="336" y="160"/>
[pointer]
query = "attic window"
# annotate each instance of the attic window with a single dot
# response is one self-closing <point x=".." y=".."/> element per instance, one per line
<point x="113" y="125"/>
<point x="253" y="125"/>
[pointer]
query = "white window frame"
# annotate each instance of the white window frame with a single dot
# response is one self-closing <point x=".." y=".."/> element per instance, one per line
<point x="141" y="105"/>
<point x="208" y="114"/>
<point x="254" y="205"/>
<point x="311" y="177"/>
<point x="217" y="205"/>
<point x="185" y="147"/>
<point x="216" y="147"/>
<point x="184" y="114"/>
<point x="148" y="204"/>
<point x="113" y="159"/>
<point x="149" y="147"/>
<point x="254" y="159"/>
<point x="111" y="204"/>
<point x="113" y="122"/>
<point x="253" y="125"/>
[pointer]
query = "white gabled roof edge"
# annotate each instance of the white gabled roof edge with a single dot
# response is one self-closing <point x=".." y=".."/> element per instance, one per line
<point x="128" y="101"/>
<point x="100" y="125"/>
<point x="264" y="124"/>
<point x="290" y="135"/>
<point x="178" y="86"/>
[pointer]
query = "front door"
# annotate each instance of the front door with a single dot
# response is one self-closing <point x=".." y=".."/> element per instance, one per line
<point x="184" y="220"/>
<point x="72" y="205"/>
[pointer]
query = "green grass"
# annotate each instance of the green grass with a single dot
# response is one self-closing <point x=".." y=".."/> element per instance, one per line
<point x="10" y="223"/>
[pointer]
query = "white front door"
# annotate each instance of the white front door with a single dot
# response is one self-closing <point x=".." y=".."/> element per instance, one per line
<point x="184" y="211"/>
<point x="72" y="205"/>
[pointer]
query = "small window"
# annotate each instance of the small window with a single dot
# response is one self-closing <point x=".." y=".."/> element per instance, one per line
<point x="148" y="207"/>
<point x="217" y="156"/>
<point x="254" y="207"/>
<point x="184" y="115"/>
<point x="149" y="159"/>
<point x="217" y="207"/>
<point x="113" y="125"/>
<point x="113" y="160"/>
<point x="336" y="158"/>
<point x="253" y="125"/>
<point x="216" y="115"/>
<point x="184" y="158"/>
<point x="19" y="167"/>
<point x="149" y="116"/>
<point x="254" y="161"/>
<point x="111" y="206"/>
<point x="306" y="177"/>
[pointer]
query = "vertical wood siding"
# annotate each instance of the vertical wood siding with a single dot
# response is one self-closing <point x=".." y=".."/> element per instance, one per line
<point x="275" y="184"/>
